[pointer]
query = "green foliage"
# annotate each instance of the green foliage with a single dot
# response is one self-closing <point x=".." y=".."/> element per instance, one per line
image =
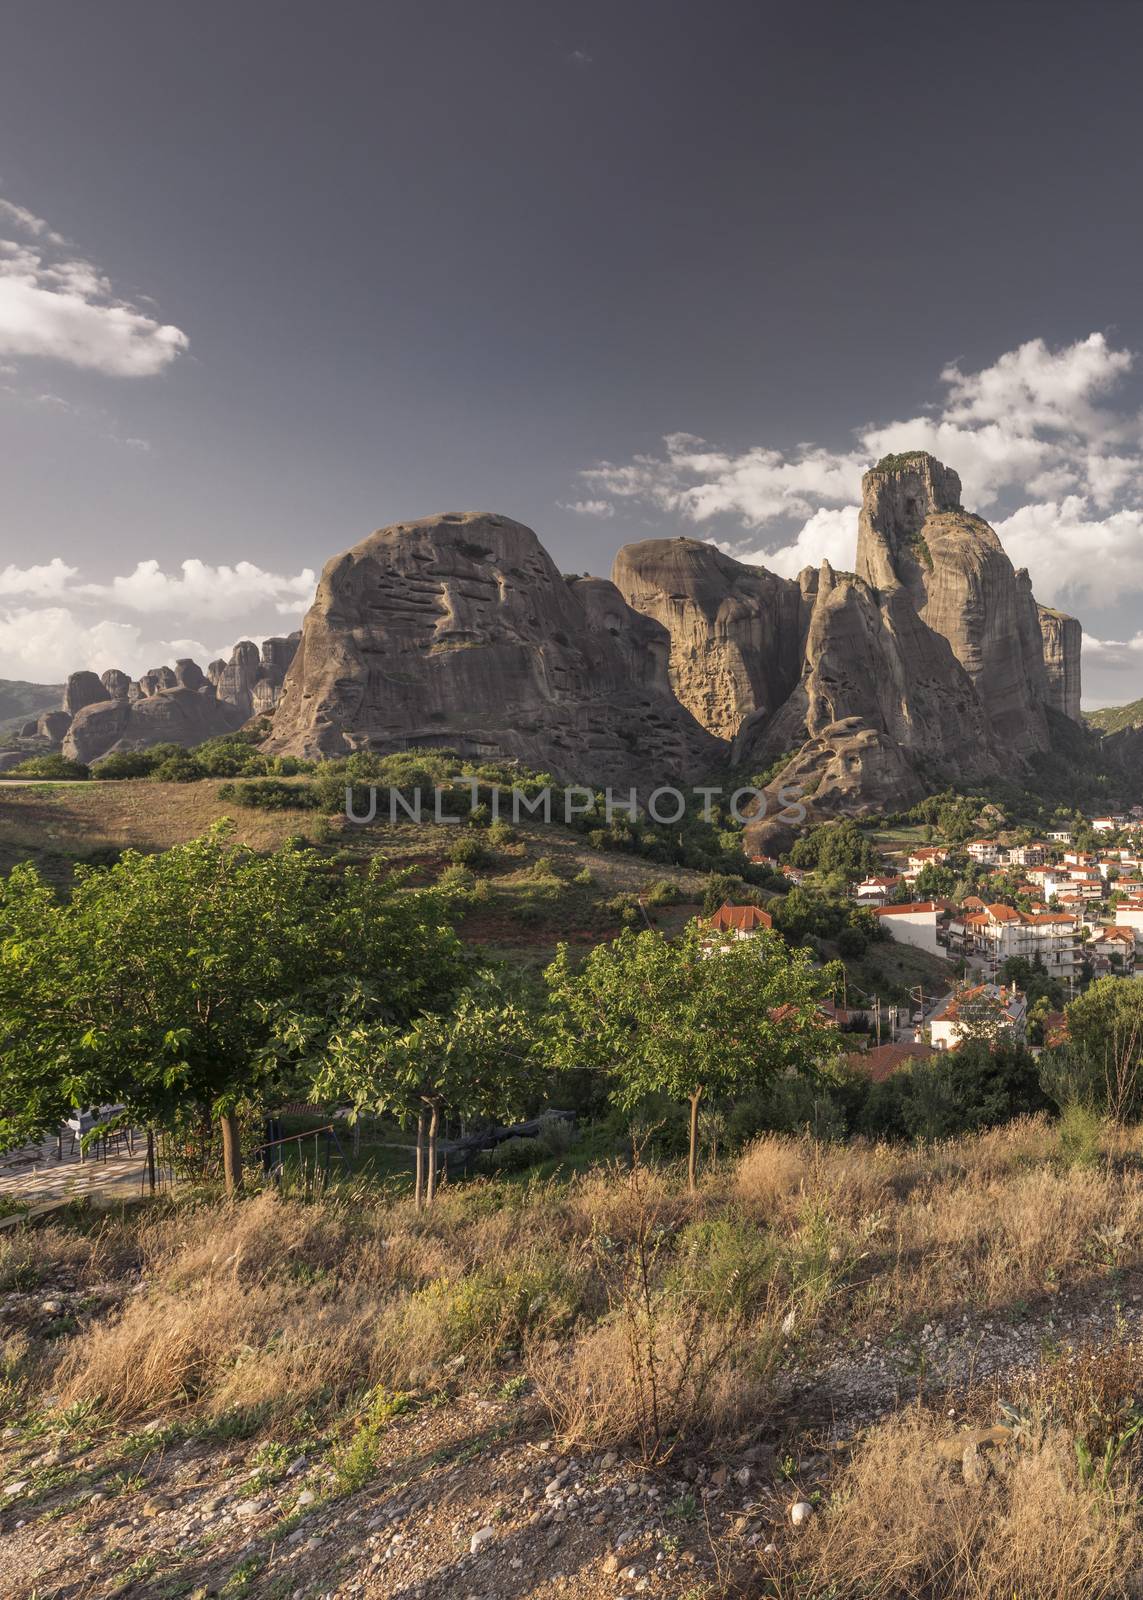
<point x="468" y="850"/>
<point x="898" y="462"/>
<point x="1081" y="1136"/>
<point x="48" y="766"/>
<point x="684" y="1020"/>
<point x="356" y="1463"/>
<point x="270" y="794"/>
<point x="162" y="981"/>
<point x="1101" y="1066"/>
<point x="957" y="1092"/>
<point x="231" y="755"/>
<point x="723" y="1265"/>
<point x="477" y="1057"/>
<point x="664" y="893"/>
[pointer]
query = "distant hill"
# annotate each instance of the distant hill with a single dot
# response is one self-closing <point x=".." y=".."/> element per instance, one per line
<point x="1111" y="718"/>
<point x="19" y="701"/>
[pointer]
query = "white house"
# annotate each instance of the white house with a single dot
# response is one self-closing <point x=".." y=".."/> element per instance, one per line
<point x="944" y="1022"/>
<point x="915" y="924"/>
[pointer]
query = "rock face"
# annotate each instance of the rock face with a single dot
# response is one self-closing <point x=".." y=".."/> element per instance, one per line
<point x="167" y="705"/>
<point x="459" y="631"/>
<point x="736" y="631"/>
<point x="881" y="697"/>
<point x="251" y="679"/>
<point x="1063" y="642"/>
<point x="914" y="533"/>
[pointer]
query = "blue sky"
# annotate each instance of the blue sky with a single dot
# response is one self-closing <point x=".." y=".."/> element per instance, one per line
<point x="275" y="275"/>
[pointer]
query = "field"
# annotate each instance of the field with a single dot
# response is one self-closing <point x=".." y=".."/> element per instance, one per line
<point x="596" y="1387"/>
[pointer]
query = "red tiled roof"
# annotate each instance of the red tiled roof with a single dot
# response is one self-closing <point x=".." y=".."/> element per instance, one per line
<point x="899" y="911"/>
<point x="745" y="918"/>
<point x="885" y="1059"/>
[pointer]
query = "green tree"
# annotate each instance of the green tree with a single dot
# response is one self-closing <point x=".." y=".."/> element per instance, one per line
<point x="159" y="984"/>
<point x="1100" y="1066"/>
<point x="689" y="1017"/>
<point x="477" y="1058"/>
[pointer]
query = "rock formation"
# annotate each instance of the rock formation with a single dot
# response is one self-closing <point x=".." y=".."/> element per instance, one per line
<point x="1063" y="641"/>
<point x="913" y="532"/>
<point x="167" y="705"/>
<point x="736" y="631"/>
<point x="459" y="631"/>
<point x="931" y="664"/>
<point x="881" y="701"/>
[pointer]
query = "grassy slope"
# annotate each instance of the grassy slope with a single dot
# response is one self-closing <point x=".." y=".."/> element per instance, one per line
<point x="1112" y="718"/>
<point x="55" y="827"/>
<point x="20" y="700"/>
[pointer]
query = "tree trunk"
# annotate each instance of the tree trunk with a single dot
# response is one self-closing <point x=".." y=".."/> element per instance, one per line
<point x="231" y="1153"/>
<point x="434" y="1118"/>
<point x="692" y="1157"/>
<point x="151" y="1160"/>
<point x="419" y="1186"/>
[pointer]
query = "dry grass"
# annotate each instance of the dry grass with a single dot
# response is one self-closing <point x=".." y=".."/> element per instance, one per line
<point x="283" y="1304"/>
<point x="905" y="1522"/>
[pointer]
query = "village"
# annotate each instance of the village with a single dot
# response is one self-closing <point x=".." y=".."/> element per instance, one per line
<point x="1029" y="925"/>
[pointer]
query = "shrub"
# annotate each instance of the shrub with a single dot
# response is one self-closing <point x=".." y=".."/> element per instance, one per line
<point x="1081" y="1136"/>
<point x="500" y="834"/>
<point x="468" y="851"/>
<point x="48" y="766"/>
<point x="664" y="893"/>
<point x="270" y="794"/>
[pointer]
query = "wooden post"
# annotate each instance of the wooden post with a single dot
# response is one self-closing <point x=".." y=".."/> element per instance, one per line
<point x="434" y="1118"/>
<point x="151" y="1160"/>
<point x="231" y="1153"/>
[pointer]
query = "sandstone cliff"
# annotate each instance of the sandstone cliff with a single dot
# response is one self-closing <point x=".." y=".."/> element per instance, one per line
<point x="167" y="705"/>
<point x="735" y="631"/>
<point x="913" y="532"/>
<point x="459" y="631"/>
<point x="882" y="705"/>
<point x="1063" y="642"/>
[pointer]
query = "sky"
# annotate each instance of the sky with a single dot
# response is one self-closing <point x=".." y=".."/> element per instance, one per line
<point x="274" y="274"/>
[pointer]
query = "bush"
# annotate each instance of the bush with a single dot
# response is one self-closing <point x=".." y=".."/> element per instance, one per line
<point x="270" y="794"/>
<point x="468" y="851"/>
<point x="53" y="766"/>
<point x="501" y="834"/>
<point x="664" y="893"/>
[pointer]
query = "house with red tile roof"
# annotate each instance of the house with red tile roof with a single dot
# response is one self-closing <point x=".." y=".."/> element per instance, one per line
<point x="740" y="920"/>
<point x="883" y="1060"/>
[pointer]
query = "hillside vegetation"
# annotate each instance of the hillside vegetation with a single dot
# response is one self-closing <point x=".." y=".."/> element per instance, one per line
<point x="20" y="700"/>
<point x="561" y="1387"/>
<point x="1109" y="719"/>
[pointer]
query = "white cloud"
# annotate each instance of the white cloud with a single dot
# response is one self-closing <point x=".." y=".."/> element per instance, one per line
<point x="1039" y="427"/>
<point x="28" y="222"/>
<point x="201" y="590"/>
<point x="63" y="308"/>
<point x="196" y="589"/>
<point x="829" y="535"/>
<point x="698" y="481"/>
<point x="80" y="624"/>
<point x="1076" y="558"/>
<point x="45" y="643"/>
<point x="51" y="578"/>
<point x="588" y="508"/>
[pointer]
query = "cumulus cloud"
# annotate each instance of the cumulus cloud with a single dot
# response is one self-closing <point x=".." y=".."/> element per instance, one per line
<point x="1038" y="441"/>
<point x="829" y="535"/>
<point x="202" y="590"/>
<point x="62" y="307"/>
<point x="44" y="643"/>
<point x="53" y="621"/>
<point x="196" y="589"/>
